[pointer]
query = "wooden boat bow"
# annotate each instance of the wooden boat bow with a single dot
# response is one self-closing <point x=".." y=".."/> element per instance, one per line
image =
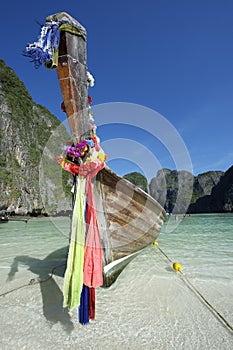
<point x="72" y="75"/>
<point x="129" y="219"/>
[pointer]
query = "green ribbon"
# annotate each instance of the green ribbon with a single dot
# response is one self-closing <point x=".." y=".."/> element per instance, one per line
<point x="52" y="64"/>
<point x="73" y="280"/>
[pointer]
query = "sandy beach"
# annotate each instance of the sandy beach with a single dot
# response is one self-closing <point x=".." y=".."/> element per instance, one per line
<point x="150" y="311"/>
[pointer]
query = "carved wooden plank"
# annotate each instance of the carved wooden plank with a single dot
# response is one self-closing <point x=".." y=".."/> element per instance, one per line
<point x="134" y="219"/>
<point x="72" y="76"/>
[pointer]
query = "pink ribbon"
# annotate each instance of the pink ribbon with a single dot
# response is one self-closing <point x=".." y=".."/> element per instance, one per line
<point x="93" y="274"/>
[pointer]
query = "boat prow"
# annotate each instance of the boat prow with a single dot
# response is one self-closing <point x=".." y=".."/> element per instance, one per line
<point x="129" y="220"/>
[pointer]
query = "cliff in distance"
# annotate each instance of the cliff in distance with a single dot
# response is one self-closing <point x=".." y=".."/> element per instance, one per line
<point x="177" y="191"/>
<point x="181" y="192"/>
<point x="220" y="199"/>
<point x="30" y="137"/>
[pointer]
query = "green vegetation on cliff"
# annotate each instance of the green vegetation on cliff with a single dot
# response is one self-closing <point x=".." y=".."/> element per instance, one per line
<point x="27" y="117"/>
<point x="26" y="129"/>
<point x="137" y="179"/>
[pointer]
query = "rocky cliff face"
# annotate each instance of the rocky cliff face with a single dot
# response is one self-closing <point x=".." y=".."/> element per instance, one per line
<point x="172" y="189"/>
<point x="180" y="191"/>
<point x="219" y="198"/>
<point x="26" y="186"/>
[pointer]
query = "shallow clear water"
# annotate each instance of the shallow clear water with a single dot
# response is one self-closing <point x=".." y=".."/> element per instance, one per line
<point x="150" y="306"/>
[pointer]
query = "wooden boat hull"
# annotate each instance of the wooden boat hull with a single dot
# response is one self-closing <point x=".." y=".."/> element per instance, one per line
<point x="129" y="220"/>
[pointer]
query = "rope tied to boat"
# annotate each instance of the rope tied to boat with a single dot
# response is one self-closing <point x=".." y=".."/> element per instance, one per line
<point x="33" y="281"/>
<point x="178" y="268"/>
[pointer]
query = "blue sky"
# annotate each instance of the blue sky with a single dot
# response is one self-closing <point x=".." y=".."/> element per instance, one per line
<point x="174" y="57"/>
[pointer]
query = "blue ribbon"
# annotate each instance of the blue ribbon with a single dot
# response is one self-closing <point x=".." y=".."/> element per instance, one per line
<point x="84" y="306"/>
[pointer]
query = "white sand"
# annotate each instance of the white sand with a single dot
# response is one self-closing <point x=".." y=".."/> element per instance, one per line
<point x="154" y="310"/>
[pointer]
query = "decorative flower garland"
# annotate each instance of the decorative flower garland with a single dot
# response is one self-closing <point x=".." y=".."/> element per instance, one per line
<point x="72" y="161"/>
<point x="79" y="150"/>
<point x="86" y="156"/>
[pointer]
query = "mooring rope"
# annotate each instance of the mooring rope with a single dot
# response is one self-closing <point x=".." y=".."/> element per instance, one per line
<point x="33" y="282"/>
<point x="177" y="267"/>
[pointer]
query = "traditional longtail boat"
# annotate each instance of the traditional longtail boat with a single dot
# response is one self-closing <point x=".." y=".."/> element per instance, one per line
<point x="4" y="216"/>
<point x="127" y="218"/>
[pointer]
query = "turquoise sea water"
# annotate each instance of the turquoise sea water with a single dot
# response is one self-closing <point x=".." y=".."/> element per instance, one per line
<point x="149" y="307"/>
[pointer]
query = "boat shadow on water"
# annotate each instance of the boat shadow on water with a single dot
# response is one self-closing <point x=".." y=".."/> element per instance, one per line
<point x="52" y="297"/>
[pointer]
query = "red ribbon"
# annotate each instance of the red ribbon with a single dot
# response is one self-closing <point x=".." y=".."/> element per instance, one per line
<point x="91" y="304"/>
<point x="93" y="274"/>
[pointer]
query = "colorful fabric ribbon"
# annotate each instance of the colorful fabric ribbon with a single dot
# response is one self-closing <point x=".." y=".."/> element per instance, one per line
<point x="83" y="311"/>
<point x="43" y="50"/>
<point x="93" y="274"/>
<point x="84" y="264"/>
<point x="73" y="280"/>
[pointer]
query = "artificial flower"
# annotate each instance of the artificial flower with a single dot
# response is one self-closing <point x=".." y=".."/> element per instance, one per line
<point x="90" y="79"/>
<point x="79" y="150"/>
<point x="89" y="100"/>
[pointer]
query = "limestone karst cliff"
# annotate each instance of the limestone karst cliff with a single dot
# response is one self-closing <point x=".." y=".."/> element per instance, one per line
<point x="219" y="199"/>
<point x="30" y="139"/>
<point x="182" y="192"/>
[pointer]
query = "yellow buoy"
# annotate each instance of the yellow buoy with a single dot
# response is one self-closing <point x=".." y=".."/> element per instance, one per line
<point x="155" y="243"/>
<point x="177" y="266"/>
